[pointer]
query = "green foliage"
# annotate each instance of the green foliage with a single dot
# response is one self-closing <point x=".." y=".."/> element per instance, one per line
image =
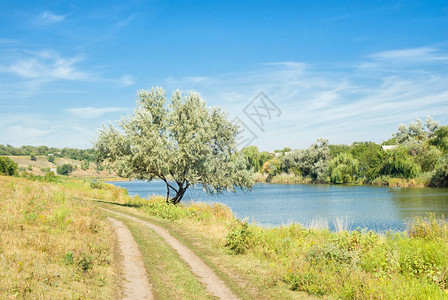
<point x="272" y="167"/>
<point x="343" y="168"/>
<point x="312" y="162"/>
<point x="400" y="163"/>
<point x="65" y="169"/>
<point x="181" y="141"/>
<point x="8" y="166"/>
<point x="238" y="239"/>
<point x="85" y="165"/>
<point x="33" y="156"/>
<point x="440" y="138"/>
<point x="255" y="158"/>
<point x="440" y="177"/>
<point x="51" y="158"/>
<point x="371" y="158"/>
<point x="30" y="167"/>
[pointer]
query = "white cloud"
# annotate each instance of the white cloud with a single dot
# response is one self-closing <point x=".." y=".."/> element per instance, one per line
<point x="423" y="54"/>
<point x="48" y="18"/>
<point x="93" y="112"/>
<point x="342" y="104"/>
<point x="126" y="80"/>
<point x="47" y="66"/>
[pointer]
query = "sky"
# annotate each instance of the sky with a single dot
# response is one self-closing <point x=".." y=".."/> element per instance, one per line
<point x="342" y="70"/>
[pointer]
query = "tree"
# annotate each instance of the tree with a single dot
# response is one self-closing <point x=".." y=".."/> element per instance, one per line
<point x="440" y="177"/>
<point x="272" y="167"/>
<point x="33" y="156"/>
<point x="85" y="165"/>
<point x="8" y="166"/>
<point x="312" y="162"/>
<point x="180" y="141"/>
<point x="343" y="168"/>
<point x="371" y="158"/>
<point x="400" y="163"/>
<point x="416" y="134"/>
<point x="65" y="169"/>
<point x="51" y="158"/>
<point x="440" y="138"/>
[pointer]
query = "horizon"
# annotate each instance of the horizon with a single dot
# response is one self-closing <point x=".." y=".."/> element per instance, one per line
<point x="348" y="72"/>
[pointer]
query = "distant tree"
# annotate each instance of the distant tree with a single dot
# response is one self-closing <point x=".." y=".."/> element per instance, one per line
<point x="440" y="177"/>
<point x="335" y="150"/>
<point x="33" y="156"/>
<point x="343" y="168"/>
<point x="371" y="158"/>
<point x="400" y="163"/>
<point x="51" y="158"/>
<point x="416" y="134"/>
<point x="8" y="166"/>
<point x="85" y="165"/>
<point x="440" y="138"/>
<point x="312" y="162"/>
<point x="272" y="167"/>
<point x="181" y="141"/>
<point x="65" y="169"/>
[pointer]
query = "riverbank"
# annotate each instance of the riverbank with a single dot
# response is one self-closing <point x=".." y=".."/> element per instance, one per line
<point x="380" y="181"/>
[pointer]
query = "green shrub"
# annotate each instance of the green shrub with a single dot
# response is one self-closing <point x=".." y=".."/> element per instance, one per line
<point x="238" y="239"/>
<point x="65" y="169"/>
<point x="8" y="166"/>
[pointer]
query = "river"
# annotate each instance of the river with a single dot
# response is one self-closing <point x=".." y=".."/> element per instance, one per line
<point x="375" y="208"/>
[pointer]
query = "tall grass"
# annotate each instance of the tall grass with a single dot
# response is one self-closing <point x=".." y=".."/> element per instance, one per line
<point x="52" y="247"/>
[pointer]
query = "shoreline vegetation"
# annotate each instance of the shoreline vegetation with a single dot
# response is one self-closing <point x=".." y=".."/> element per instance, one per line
<point x="388" y="181"/>
<point x="274" y="262"/>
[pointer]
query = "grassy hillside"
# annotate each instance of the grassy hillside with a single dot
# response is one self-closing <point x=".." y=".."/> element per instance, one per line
<point x="51" y="245"/>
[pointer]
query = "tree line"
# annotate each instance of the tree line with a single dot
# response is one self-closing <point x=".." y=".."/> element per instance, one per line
<point x="418" y="151"/>
<point x="33" y="151"/>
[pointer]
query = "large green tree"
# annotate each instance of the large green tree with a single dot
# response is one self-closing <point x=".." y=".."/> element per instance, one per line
<point x="180" y="141"/>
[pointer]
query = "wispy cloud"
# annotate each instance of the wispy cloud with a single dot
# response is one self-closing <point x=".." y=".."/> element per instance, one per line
<point x="93" y="112"/>
<point x="423" y="54"/>
<point x="48" y="18"/>
<point x="126" y="80"/>
<point x="343" y="104"/>
<point x="47" y="66"/>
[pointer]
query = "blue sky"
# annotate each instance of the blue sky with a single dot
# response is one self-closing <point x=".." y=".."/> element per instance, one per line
<point x="343" y="70"/>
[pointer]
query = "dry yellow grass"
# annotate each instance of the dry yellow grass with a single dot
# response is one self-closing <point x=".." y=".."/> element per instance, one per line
<point x="52" y="247"/>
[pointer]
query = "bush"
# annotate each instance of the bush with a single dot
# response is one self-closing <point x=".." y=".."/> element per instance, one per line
<point x="51" y="158"/>
<point x="8" y="166"/>
<point x="65" y="169"/>
<point x="440" y="178"/>
<point x="238" y="238"/>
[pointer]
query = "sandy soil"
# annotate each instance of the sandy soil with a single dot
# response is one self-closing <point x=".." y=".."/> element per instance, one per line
<point x="136" y="284"/>
<point x="204" y="273"/>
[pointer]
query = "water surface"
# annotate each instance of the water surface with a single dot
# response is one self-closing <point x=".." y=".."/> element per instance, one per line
<point x="376" y="208"/>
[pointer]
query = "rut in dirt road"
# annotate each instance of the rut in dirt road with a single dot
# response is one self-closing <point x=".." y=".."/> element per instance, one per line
<point x="205" y="274"/>
<point x="136" y="284"/>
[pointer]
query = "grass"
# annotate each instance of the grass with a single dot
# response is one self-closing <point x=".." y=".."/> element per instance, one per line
<point x="51" y="246"/>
